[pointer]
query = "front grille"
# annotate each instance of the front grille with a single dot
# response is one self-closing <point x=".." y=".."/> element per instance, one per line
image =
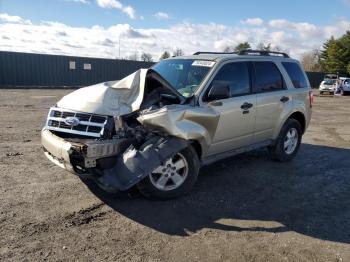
<point x="68" y="121"/>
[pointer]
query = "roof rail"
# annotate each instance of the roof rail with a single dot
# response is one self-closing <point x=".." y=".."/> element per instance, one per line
<point x="247" y="52"/>
<point x="262" y="53"/>
<point x="213" y="53"/>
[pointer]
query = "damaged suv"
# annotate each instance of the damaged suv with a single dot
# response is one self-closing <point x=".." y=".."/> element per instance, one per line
<point x="155" y="128"/>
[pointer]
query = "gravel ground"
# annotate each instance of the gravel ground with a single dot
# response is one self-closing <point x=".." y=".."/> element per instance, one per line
<point x="246" y="208"/>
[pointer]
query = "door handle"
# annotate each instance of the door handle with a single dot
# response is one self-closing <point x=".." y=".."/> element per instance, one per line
<point x="284" y="99"/>
<point x="215" y="103"/>
<point x="246" y="106"/>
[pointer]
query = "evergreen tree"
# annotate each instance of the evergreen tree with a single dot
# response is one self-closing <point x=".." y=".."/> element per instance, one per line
<point x="165" y="55"/>
<point x="242" y="46"/>
<point x="335" y="56"/>
<point x="237" y="48"/>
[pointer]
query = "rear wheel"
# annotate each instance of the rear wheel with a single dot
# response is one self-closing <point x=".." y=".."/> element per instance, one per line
<point x="288" y="141"/>
<point x="175" y="177"/>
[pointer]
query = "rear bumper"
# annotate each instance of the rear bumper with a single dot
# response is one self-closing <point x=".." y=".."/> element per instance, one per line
<point x="57" y="150"/>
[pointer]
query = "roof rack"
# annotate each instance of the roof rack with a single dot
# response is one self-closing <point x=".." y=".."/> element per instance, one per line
<point x="213" y="53"/>
<point x="262" y="53"/>
<point x="247" y="52"/>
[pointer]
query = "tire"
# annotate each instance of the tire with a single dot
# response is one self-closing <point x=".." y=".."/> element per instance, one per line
<point x="279" y="151"/>
<point x="321" y="92"/>
<point x="152" y="186"/>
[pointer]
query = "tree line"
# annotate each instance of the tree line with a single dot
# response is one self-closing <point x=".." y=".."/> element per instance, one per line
<point x="334" y="57"/>
<point x="147" y="57"/>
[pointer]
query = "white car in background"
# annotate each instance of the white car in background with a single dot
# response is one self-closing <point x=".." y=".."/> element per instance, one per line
<point x="327" y="86"/>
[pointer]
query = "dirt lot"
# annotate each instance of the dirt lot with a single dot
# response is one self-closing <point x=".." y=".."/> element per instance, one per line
<point x="247" y="208"/>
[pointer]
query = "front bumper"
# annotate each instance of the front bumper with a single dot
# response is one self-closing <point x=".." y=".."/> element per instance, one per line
<point x="114" y="164"/>
<point x="57" y="150"/>
<point x="77" y="157"/>
<point x="325" y="89"/>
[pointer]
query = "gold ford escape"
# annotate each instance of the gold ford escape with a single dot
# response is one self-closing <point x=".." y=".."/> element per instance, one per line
<point x="156" y="127"/>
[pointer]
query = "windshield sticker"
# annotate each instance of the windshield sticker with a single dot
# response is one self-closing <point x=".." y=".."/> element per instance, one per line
<point x="203" y="63"/>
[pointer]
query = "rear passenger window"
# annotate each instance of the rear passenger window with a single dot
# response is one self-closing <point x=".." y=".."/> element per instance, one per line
<point x="236" y="76"/>
<point x="267" y="77"/>
<point x="295" y="74"/>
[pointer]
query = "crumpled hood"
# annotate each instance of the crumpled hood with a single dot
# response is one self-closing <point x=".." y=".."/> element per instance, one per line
<point x="112" y="98"/>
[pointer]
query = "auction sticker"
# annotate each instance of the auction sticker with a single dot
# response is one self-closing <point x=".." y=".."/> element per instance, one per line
<point x="203" y="63"/>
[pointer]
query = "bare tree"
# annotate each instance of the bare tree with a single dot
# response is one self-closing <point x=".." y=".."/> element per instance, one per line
<point x="263" y="47"/>
<point x="146" y="57"/>
<point x="165" y="55"/>
<point x="229" y="49"/>
<point x="311" y="61"/>
<point x="178" y="52"/>
<point x="133" y="57"/>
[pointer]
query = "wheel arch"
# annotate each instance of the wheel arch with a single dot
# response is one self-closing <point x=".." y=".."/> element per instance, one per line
<point x="198" y="148"/>
<point x="295" y="114"/>
<point x="300" y="117"/>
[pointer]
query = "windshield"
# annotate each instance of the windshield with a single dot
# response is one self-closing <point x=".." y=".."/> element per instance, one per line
<point x="329" y="82"/>
<point x="185" y="75"/>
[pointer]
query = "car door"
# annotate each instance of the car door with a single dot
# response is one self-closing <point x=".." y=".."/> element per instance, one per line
<point x="237" y="113"/>
<point x="272" y="97"/>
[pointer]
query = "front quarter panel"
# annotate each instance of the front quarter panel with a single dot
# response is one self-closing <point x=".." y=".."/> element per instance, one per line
<point x="186" y="122"/>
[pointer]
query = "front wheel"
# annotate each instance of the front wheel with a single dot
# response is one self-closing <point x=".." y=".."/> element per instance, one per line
<point x="288" y="141"/>
<point x="175" y="177"/>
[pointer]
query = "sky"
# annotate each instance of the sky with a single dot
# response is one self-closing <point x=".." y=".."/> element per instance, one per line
<point x="100" y="28"/>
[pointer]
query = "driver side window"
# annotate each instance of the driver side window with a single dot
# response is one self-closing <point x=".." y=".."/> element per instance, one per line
<point x="236" y="77"/>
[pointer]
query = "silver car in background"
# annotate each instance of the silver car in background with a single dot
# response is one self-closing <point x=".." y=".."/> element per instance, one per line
<point x="327" y="86"/>
<point x="346" y="85"/>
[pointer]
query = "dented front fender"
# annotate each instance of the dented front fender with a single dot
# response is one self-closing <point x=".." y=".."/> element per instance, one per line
<point x="184" y="121"/>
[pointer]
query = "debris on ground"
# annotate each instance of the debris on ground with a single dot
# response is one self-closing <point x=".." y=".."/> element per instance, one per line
<point x="14" y="154"/>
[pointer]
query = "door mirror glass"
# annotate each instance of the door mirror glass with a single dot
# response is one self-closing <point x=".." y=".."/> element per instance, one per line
<point x="218" y="91"/>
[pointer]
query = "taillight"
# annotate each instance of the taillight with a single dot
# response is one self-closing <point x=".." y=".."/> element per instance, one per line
<point x="311" y="98"/>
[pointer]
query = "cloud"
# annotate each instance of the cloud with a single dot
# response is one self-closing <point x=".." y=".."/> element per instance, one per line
<point x="308" y="31"/>
<point x="128" y="10"/>
<point x="109" y="4"/>
<point x="126" y="31"/>
<point x="13" y="19"/>
<point x="253" y="21"/>
<point x="161" y="16"/>
<point x="97" y="41"/>
<point x="280" y="23"/>
<point x="79" y="1"/>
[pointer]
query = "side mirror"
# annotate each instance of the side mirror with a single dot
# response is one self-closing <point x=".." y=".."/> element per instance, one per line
<point x="167" y="98"/>
<point x="218" y="91"/>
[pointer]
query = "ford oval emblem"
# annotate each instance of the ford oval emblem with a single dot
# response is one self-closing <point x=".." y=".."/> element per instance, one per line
<point x="72" y="121"/>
